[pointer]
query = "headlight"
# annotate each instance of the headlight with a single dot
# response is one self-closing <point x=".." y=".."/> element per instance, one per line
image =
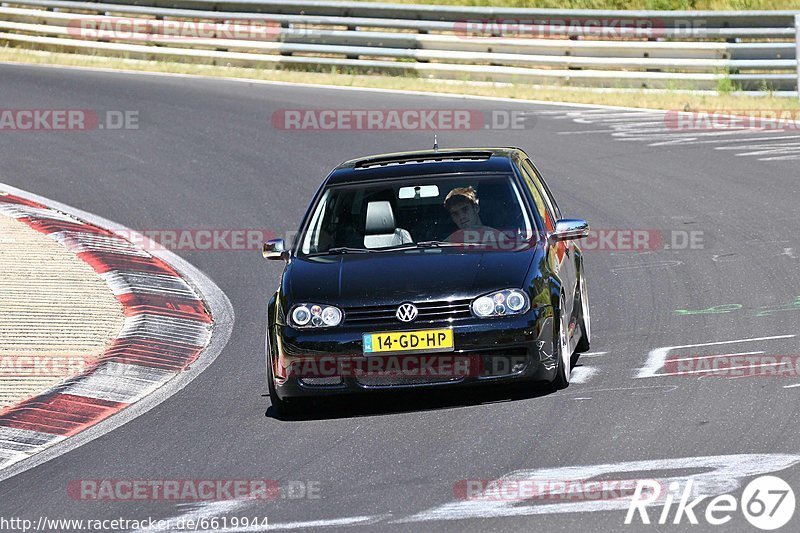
<point x="483" y="306"/>
<point x="331" y="316"/>
<point x="315" y="316"/>
<point x="500" y="303"/>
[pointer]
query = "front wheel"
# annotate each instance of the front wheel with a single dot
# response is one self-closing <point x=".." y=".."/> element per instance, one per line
<point x="282" y="408"/>
<point x="561" y="350"/>
<point x="585" y="318"/>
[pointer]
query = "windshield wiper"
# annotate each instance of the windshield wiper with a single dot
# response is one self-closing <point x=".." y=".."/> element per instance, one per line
<point x="436" y="244"/>
<point x="420" y="244"/>
<point x="342" y="250"/>
<point x="348" y="250"/>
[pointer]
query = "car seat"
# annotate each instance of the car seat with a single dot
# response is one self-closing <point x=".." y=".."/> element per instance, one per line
<point x="380" y="229"/>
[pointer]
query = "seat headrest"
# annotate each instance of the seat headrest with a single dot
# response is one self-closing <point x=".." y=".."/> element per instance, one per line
<point x="380" y="218"/>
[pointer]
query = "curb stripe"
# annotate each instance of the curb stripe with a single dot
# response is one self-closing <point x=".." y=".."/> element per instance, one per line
<point x="165" y="329"/>
<point x="17" y="444"/>
<point x="103" y="262"/>
<point x="165" y="355"/>
<point x="167" y="326"/>
<point x="34" y="212"/>
<point x="156" y="304"/>
<point x="146" y="283"/>
<point x="78" y="242"/>
<point x="59" y="414"/>
<point x="118" y="382"/>
<point x="25" y="438"/>
<point x="9" y="457"/>
<point x="16" y="200"/>
<point x="52" y="226"/>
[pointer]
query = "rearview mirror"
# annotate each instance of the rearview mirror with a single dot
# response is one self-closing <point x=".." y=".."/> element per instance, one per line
<point x="274" y="249"/>
<point x="570" y="228"/>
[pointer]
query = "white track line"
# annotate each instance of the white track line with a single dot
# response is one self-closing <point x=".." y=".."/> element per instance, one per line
<point x="714" y="356"/>
<point x="712" y="372"/>
<point x="656" y="358"/>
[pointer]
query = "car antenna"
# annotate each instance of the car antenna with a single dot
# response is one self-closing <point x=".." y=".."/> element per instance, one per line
<point x="435" y="143"/>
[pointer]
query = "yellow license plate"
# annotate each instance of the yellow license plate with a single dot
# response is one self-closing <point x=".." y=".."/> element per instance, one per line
<point x="428" y="340"/>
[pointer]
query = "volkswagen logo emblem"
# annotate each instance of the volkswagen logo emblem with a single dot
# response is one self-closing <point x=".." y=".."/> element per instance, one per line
<point x="406" y="312"/>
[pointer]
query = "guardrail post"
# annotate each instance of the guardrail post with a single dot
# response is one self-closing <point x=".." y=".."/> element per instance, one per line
<point x="797" y="49"/>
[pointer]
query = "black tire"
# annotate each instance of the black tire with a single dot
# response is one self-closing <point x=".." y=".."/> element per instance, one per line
<point x="585" y="319"/>
<point x="285" y="408"/>
<point x="563" y="370"/>
<point x="281" y="407"/>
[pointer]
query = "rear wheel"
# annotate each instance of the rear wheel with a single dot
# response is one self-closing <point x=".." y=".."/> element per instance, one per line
<point x="561" y="349"/>
<point x="585" y="317"/>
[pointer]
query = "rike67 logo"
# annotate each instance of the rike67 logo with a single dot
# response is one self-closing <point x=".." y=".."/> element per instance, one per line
<point x="767" y="502"/>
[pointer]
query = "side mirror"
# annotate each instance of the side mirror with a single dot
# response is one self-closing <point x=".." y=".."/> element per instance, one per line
<point x="274" y="249"/>
<point x="569" y="229"/>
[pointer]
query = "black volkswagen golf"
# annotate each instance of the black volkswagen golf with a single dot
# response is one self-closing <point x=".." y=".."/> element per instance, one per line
<point x="427" y="269"/>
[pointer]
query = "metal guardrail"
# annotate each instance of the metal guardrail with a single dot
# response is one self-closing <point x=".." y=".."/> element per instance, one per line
<point x="649" y="49"/>
<point x="797" y="49"/>
<point x="447" y="13"/>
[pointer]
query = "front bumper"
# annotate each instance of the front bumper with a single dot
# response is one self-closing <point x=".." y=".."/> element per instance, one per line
<point x="498" y="350"/>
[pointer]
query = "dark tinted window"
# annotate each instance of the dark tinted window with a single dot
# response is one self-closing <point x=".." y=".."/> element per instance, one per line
<point x="543" y="206"/>
<point x="548" y="196"/>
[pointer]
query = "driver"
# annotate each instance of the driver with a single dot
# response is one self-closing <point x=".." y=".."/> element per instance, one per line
<point x="463" y="205"/>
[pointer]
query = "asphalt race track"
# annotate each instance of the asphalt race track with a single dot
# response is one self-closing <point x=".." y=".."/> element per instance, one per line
<point x="206" y="156"/>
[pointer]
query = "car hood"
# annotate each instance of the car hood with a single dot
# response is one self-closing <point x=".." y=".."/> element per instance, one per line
<point x="384" y="278"/>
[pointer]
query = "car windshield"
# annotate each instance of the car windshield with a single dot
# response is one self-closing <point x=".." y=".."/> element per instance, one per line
<point x="472" y="212"/>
